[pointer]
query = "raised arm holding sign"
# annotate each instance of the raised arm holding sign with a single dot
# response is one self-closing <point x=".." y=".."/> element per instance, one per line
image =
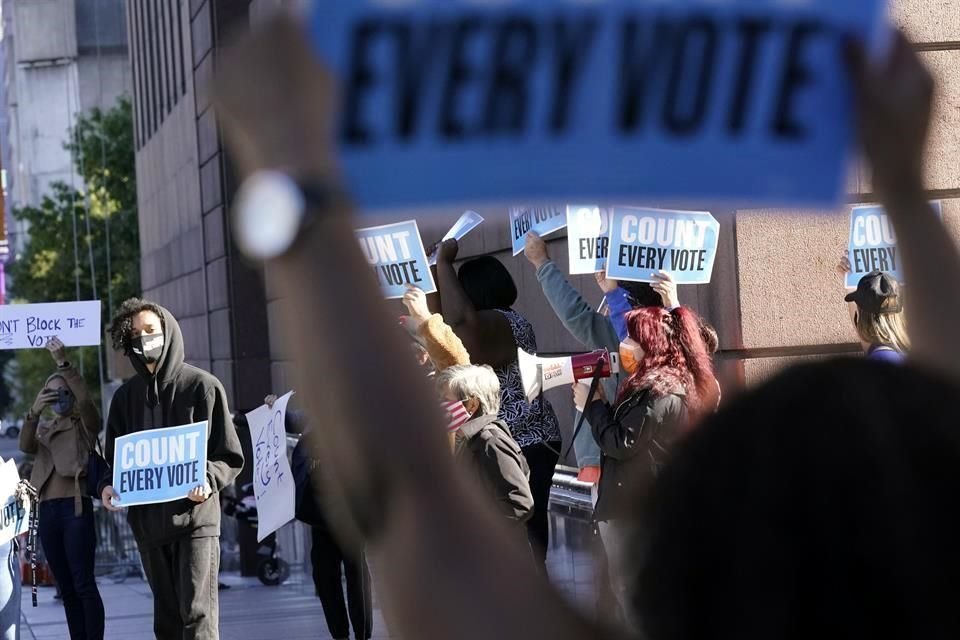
<point x="466" y="223"/>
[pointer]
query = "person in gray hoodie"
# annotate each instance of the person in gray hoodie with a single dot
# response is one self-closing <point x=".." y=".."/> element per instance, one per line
<point x="179" y="541"/>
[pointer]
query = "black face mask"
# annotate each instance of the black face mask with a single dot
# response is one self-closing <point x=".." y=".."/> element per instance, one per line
<point x="148" y="348"/>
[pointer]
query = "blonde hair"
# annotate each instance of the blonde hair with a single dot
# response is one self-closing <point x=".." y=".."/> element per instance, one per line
<point x="885" y="329"/>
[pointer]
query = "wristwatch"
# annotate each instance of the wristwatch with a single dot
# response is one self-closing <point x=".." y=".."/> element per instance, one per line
<point x="271" y="209"/>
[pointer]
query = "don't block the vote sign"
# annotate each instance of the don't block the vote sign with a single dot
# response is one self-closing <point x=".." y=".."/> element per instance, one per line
<point x="539" y="220"/>
<point x="644" y="241"/>
<point x="30" y="326"/>
<point x="160" y="465"/>
<point x="588" y="238"/>
<point x="873" y="243"/>
<point x="451" y="101"/>
<point x="395" y="251"/>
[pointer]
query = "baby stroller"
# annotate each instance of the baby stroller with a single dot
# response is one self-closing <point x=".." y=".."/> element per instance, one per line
<point x="272" y="570"/>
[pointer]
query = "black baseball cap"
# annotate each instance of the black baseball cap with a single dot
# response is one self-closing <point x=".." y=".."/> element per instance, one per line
<point x="641" y="294"/>
<point x="877" y="292"/>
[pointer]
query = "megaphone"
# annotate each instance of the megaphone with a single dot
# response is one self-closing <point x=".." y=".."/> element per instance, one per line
<point x="541" y="374"/>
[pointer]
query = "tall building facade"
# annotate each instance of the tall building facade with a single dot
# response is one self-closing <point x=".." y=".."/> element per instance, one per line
<point x="775" y="298"/>
<point x="61" y="58"/>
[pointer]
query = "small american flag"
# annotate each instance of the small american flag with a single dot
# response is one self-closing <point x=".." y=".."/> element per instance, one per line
<point x="457" y="415"/>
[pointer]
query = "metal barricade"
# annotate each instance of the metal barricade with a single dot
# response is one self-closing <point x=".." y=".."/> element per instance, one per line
<point x="117" y="554"/>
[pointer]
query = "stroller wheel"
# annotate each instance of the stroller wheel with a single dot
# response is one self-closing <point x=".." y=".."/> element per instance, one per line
<point x="273" y="571"/>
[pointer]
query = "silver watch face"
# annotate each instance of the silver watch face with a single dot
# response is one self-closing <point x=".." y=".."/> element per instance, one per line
<point x="267" y="214"/>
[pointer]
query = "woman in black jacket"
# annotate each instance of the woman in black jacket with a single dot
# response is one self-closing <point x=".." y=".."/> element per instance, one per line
<point x="671" y="384"/>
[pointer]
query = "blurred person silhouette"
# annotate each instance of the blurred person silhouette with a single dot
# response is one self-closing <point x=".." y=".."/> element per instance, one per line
<point x="401" y="491"/>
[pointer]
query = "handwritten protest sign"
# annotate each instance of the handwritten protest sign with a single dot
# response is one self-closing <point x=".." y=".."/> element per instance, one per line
<point x="395" y="251"/>
<point x="160" y="465"/>
<point x="30" y="326"/>
<point x="588" y="238"/>
<point x="540" y="220"/>
<point x="14" y="519"/>
<point x="644" y="241"/>
<point x="273" y="484"/>
<point x="873" y="243"/>
<point x="466" y="223"/>
<point x="447" y="101"/>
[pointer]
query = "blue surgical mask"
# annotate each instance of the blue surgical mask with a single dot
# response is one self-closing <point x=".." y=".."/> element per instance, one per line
<point x="65" y="402"/>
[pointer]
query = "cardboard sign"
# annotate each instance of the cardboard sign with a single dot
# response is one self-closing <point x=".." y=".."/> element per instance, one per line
<point x="588" y="238"/>
<point x="644" y="241"/>
<point x="30" y="326"/>
<point x="466" y="223"/>
<point x="396" y="253"/>
<point x="540" y="220"/>
<point x="160" y="465"/>
<point x="450" y="101"/>
<point x="273" y="484"/>
<point x="873" y="243"/>
<point x="15" y="516"/>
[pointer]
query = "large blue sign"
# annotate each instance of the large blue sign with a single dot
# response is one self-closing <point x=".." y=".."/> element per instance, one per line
<point x="160" y="465"/>
<point x="873" y="243"/>
<point x="395" y="251"/>
<point x="453" y="101"/>
<point x="645" y="241"/>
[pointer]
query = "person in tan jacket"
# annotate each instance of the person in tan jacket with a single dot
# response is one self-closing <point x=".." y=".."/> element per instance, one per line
<point x="60" y="446"/>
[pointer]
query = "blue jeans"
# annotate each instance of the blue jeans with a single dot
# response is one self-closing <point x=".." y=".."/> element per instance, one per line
<point x="70" y="543"/>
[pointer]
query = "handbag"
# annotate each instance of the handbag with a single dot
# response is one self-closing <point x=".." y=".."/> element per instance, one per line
<point x="97" y="467"/>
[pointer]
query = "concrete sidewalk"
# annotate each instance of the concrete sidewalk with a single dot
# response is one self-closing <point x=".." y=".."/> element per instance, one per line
<point x="251" y="611"/>
<point x="248" y="610"/>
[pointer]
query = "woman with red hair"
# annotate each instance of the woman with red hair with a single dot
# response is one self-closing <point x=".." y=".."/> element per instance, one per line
<point x="671" y="385"/>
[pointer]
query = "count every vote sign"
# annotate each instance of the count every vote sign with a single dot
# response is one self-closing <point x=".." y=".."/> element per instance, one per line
<point x="160" y="465"/>
<point x="454" y="101"/>
<point x="395" y="251"/>
<point x="873" y="243"/>
<point x="645" y="241"/>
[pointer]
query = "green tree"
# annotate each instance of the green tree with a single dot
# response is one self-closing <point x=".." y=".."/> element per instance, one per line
<point x="103" y="220"/>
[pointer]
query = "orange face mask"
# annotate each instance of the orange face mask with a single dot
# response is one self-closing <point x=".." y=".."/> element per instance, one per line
<point x="628" y="360"/>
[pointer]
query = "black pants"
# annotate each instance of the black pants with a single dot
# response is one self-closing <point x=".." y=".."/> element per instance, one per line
<point x="183" y="579"/>
<point x="542" y="459"/>
<point x="70" y="544"/>
<point x="330" y="563"/>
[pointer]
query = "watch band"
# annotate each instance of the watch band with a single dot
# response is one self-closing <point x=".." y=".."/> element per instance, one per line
<point x="319" y="197"/>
